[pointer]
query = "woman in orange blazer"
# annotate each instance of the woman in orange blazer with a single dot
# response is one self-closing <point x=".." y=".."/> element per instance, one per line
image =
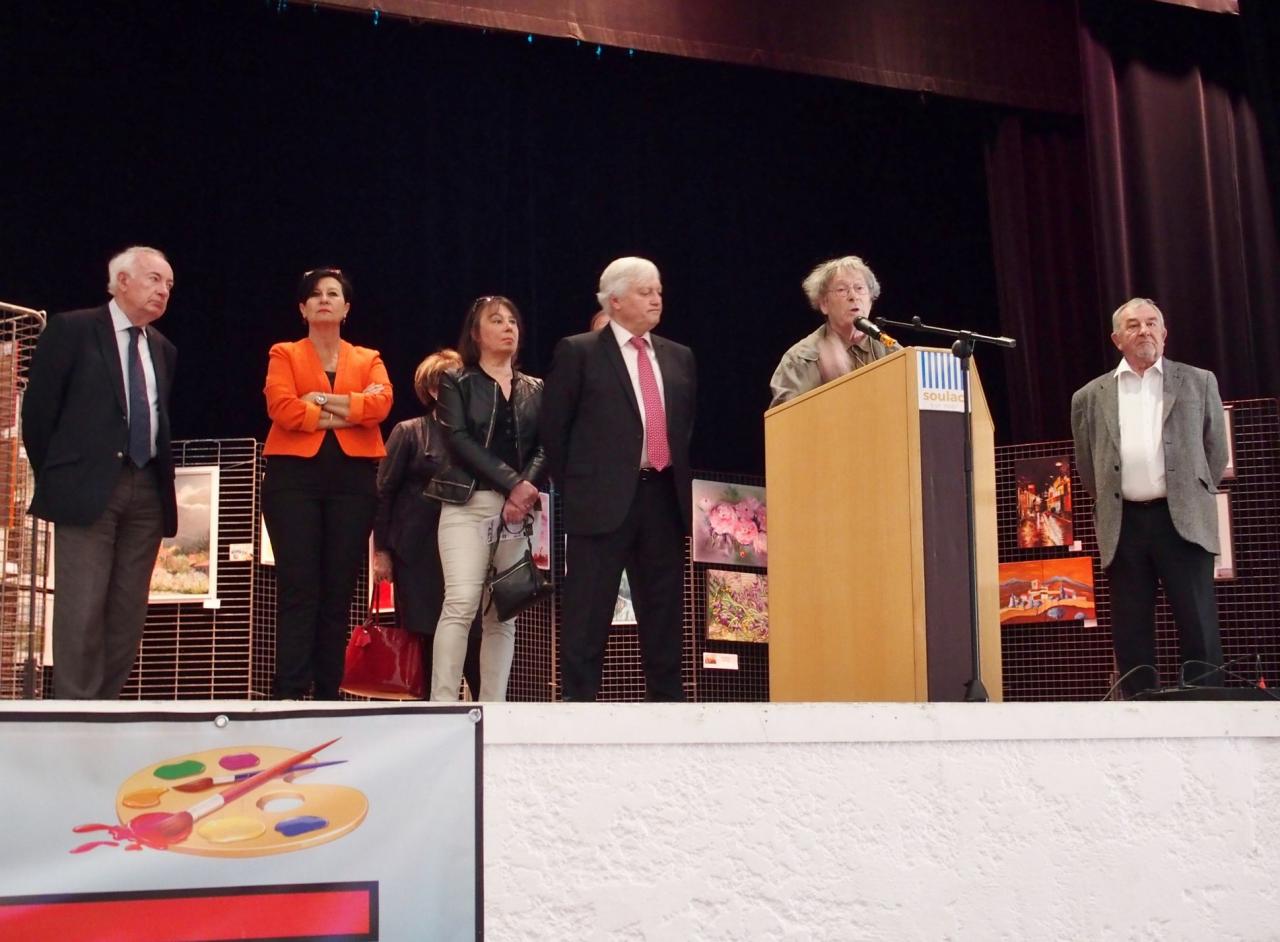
<point x="326" y="399"/>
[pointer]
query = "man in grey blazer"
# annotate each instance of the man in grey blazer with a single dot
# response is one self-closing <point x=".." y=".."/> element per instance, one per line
<point x="95" y="422"/>
<point x="1151" y="446"/>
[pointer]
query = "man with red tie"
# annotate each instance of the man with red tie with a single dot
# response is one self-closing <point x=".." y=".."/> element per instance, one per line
<point x="617" y="417"/>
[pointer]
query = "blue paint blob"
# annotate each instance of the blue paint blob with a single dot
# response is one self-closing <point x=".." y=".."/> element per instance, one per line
<point x="303" y="824"/>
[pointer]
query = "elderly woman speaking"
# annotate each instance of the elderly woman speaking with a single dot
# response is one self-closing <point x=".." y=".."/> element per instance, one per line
<point x="842" y="290"/>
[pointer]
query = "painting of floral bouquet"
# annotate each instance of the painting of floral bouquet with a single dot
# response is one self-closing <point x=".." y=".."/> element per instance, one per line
<point x="737" y="606"/>
<point x="730" y="524"/>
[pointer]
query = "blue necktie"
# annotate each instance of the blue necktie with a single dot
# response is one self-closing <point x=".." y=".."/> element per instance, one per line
<point x="139" y="404"/>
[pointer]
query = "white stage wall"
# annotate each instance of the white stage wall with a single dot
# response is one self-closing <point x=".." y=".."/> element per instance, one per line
<point x="1062" y="821"/>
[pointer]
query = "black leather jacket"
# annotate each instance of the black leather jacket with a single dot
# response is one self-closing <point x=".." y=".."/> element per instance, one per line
<point x="466" y="410"/>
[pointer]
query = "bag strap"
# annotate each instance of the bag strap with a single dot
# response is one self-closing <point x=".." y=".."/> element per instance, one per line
<point x="526" y="528"/>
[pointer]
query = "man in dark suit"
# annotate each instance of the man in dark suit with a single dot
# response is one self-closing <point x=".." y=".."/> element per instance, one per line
<point x="617" y="417"/>
<point x="95" y="422"/>
<point x="1151" y="446"/>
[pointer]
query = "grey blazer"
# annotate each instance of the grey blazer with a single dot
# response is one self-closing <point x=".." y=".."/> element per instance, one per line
<point x="1195" y="453"/>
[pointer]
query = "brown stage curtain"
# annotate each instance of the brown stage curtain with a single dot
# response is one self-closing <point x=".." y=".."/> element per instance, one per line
<point x="1209" y="6"/>
<point x="1181" y="197"/>
<point x="1021" y="53"/>
<point x="1042" y="241"/>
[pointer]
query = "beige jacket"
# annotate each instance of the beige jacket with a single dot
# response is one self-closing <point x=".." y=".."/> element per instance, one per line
<point x="798" y="372"/>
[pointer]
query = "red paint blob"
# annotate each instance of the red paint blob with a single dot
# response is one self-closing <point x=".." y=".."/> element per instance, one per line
<point x="241" y="760"/>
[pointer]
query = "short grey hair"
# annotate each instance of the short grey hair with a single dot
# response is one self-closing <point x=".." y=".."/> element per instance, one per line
<point x="816" y="284"/>
<point x="621" y="274"/>
<point x="127" y="261"/>
<point x="1123" y="309"/>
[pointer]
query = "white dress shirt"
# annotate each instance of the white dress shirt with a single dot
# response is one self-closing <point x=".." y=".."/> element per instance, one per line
<point x="121" y="323"/>
<point x="631" y="357"/>
<point x="1141" y="401"/>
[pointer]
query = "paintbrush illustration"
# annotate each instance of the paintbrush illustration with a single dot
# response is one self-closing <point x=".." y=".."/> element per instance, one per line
<point x="204" y="784"/>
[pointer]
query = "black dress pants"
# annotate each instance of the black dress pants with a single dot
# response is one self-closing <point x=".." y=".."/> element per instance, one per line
<point x="650" y="546"/>
<point x="319" y="513"/>
<point x="1151" y="551"/>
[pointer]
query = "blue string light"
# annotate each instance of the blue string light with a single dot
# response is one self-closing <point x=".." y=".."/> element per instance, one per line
<point x="529" y="39"/>
<point x="377" y="15"/>
<point x="631" y="53"/>
<point x="599" y="51"/>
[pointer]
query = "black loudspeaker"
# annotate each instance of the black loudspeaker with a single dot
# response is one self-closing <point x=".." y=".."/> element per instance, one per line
<point x="1208" y="693"/>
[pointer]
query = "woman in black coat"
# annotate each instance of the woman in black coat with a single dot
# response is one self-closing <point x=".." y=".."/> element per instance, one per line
<point x="404" y="532"/>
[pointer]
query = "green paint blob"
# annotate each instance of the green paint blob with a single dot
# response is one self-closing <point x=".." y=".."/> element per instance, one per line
<point x="179" y="770"/>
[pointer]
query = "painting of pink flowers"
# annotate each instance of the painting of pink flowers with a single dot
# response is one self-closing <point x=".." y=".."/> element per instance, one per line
<point x="730" y="524"/>
<point x="737" y="606"/>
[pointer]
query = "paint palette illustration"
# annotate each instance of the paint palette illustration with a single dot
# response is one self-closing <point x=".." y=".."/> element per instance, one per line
<point x="291" y="812"/>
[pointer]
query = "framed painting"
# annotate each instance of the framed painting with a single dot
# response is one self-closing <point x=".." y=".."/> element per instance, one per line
<point x="737" y="606"/>
<point x="624" y="611"/>
<point x="384" y="593"/>
<point x="1224" y="564"/>
<point x="1042" y="591"/>
<point x="730" y="524"/>
<point x="186" y="568"/>
<point x="1044" y="501"/>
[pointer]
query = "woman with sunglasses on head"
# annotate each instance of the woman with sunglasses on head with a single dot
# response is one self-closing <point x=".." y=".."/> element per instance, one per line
<point x="326" y="399"/>
<point x="488" y="412"/>
<point x="842" y="290"/>
<point x="405" y="530"/>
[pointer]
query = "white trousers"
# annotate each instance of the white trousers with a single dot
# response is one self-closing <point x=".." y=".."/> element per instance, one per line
<point x="464" y="556"/>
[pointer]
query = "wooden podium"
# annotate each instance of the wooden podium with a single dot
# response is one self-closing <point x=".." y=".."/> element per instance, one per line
<point x="868" y="541"/>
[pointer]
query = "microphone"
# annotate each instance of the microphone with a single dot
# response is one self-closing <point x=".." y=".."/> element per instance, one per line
<point x="869" y="328"/>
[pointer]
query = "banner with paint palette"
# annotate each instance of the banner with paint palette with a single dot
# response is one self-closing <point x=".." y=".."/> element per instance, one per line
<point x="174" y="824"/>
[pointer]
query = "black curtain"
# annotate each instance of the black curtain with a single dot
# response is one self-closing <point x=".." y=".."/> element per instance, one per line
<point x="437" y="163"/>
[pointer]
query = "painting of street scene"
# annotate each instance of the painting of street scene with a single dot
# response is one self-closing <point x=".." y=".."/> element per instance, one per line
<point x="1044" y="501"/>
<point x="1048" y="590"/>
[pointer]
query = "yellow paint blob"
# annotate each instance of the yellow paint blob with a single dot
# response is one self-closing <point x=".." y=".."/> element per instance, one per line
<point x="231" y="830"/>
<point x="143" y="798"/>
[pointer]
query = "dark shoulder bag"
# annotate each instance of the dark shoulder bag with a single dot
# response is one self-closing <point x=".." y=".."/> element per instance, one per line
<point x="520" y="584"/>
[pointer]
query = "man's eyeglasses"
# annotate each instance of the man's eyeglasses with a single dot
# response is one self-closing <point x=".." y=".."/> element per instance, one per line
<point x="849" y="291"/>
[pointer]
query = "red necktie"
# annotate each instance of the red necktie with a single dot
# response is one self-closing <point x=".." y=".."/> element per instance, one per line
<point x="655" y="437"/>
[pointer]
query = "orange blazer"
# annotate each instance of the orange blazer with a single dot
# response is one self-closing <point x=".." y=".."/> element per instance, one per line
<point x="294" y="369"/>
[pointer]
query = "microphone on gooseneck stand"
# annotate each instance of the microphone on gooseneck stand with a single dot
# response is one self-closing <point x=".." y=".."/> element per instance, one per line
<point x="871" y="329"/>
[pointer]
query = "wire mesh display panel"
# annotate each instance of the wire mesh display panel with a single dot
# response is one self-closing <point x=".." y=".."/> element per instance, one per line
<point x="535" y="669"/>
<point x="1069" y="662"/>
<point x="25" y="608"/>
<point x="749" y="679"/>
<point x="200" y="649"/>
<point x="262" y="610"/>
<point x="535" y="673"/>
<point x="534" y="666"/>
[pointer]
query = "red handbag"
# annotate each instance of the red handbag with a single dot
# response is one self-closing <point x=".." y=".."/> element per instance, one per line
<point x="383" y="662"/>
